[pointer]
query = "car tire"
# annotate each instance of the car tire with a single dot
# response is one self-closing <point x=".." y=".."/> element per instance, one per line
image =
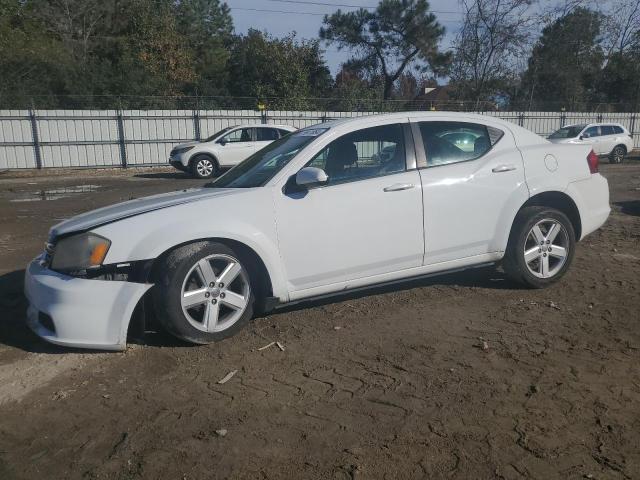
<point x="617" y="154"/>
<point x="192" y="300"/>
<point x="540" y="248"/>
<point x="204" y="166"/>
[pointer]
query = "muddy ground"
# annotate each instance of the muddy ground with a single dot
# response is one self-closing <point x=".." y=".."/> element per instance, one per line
<point x="394" y="383"/>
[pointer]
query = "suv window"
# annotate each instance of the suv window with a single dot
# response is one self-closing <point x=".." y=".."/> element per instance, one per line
<point x="453" y="142"/>
<point x="265" y="134"/>
<point x="283" y="132"/>
<point x="240" y="135"/>
<point x="367" y="153"/>
<point x="591" y="132"/>
<point x="618" y="130"/>
<point x="607" y="130"/>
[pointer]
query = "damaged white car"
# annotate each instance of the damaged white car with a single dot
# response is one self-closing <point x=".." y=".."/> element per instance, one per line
<point x="334" y="207"/>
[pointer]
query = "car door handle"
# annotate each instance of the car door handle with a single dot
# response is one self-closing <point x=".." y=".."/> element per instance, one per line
<point x="396" y="187"/>
<point x="503" y="168"/>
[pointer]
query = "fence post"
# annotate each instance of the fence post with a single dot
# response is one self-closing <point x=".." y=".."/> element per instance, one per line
<point x="196" y="124"/>
<point x="521" y="119"/>
<point x="563" y="119"/>
<point x="35" y="137"/>
<point x="263" y="116"/>
<point x="121" y="139"/>
<point x="632" y="127"/>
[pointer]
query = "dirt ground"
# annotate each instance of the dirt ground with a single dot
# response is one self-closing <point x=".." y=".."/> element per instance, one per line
<point x="394" y="383"/>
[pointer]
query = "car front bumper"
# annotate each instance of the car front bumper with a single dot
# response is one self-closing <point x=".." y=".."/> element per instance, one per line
<point x="77" y="312"/>
<point x="177" y="164"/>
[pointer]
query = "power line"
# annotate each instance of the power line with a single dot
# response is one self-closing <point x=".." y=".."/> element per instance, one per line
<point x="348" y="5"/>
<point x="293" y="12"/>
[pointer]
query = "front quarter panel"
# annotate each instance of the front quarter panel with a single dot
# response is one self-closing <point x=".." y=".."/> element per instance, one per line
<point x="245" y="216"/>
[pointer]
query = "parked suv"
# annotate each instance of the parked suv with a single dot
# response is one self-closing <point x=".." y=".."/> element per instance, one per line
<point x="607" y="139"/>
<point x="226" y="148"/>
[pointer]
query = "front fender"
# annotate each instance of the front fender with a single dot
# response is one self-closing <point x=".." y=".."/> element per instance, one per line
<point x="248" y="220"/>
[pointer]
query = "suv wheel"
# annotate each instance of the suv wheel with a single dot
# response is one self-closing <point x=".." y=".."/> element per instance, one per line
<point x="618" y="154"/>
<point x="203" y="166"/>
<point x="541" y="247"/>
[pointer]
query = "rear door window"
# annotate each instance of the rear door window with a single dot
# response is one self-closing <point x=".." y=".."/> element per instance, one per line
<point x="607" y="130"/>
<point x="591" y="132"/>
<point x="453" y="142"/>
<point x="265" y="134"/>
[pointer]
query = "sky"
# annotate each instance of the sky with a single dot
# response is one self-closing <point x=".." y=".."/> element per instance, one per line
<point x="293" y="15"/>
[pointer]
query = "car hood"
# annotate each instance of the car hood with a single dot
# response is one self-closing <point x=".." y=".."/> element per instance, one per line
<point x="112" y="213"/>
<point x="186" y="144"/>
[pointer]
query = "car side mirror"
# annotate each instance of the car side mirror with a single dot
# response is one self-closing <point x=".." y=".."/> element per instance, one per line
<point x="583" y="136"/>
<point x="309" y="176"/>
<point x="222" y="142"/>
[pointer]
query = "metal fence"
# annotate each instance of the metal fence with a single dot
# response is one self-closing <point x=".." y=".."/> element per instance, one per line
<point x="122" y="138"/>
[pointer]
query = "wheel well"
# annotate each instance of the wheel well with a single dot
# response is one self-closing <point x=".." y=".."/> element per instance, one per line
<point x="255" y="262"/>
<point x="621" y="145"/>
<point x="560" y="201"/>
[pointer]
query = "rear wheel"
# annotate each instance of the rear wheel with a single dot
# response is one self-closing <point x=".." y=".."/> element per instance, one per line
<point x="541" y="247"/>
<point x="203" y="166"/>
<point x="618" y="154"/>
<point x="204" y="292"/>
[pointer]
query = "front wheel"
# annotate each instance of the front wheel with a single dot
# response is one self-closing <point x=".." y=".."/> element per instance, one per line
<point x="618" y="154"/>
<point x="203" y="293"/>
<point x="204" y="166"/>
<point x="541" y="247"/>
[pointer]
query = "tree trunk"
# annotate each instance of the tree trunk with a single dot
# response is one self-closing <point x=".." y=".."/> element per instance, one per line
<point x="388" y="87"/>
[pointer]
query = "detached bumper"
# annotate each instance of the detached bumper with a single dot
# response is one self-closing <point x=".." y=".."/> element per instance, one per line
<point x="75" y="312"/>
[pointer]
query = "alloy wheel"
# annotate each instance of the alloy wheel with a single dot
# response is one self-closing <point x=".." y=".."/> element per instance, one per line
<point x="618" y="155"/>
<point x="204" y="167"/>
<point x="215" y="293"/>
<point x="546" y="248"/>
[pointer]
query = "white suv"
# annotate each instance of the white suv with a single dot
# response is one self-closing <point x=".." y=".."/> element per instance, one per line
<point x="226" y="148"/>
<point x="607" y="139"/>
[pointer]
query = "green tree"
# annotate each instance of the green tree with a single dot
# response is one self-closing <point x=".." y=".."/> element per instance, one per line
<point x="31" y="63"/>
<point x="387" y="40"/>
<point x="284" y="70"/>
<point x="207" y="26"/>
<point x="620" y="82"/>
<point x="566" y="62"/>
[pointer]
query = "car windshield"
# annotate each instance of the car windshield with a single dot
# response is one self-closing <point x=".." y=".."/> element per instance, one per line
<point x="263" y="165"/>
<point x="568" y="132"/>
<point x="217" y="134"/>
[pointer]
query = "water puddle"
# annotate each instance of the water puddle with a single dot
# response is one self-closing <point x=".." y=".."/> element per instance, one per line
<point x="54" y="193"/>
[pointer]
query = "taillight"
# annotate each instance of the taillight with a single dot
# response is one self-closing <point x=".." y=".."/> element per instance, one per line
<point x="592" y="160"/>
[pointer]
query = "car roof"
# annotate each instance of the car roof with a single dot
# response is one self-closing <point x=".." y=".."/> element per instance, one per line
<point x="262" y="125"/>
<point x="526" y="136"/>
<point x="595" y="124"/>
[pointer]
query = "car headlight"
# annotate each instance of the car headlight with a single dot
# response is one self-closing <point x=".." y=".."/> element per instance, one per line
<point x="80" y="252"/>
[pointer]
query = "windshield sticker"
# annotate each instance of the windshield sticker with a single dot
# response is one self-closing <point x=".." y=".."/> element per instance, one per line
<point x="310" y="132"/>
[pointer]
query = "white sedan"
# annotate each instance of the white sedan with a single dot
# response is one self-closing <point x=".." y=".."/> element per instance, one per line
<point x="226" y="148"/>
<point x="317" y="212"/>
